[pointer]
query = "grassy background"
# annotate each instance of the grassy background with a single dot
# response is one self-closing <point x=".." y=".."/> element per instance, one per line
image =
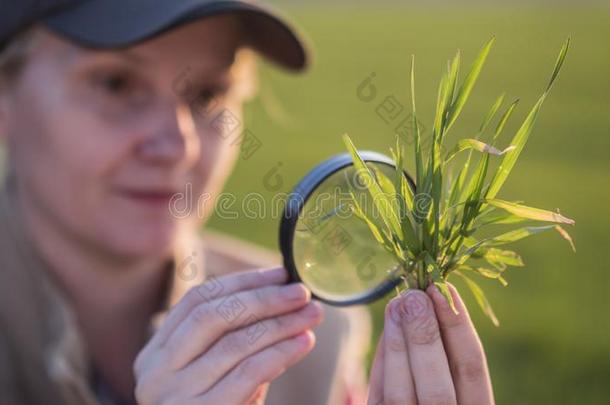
<point x="552" y="345"/>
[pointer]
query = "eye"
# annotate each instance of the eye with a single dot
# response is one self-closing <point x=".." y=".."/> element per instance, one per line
<point x="208" y="97"/>
<point x="121" y="87"/>
<point x="115" y="83"/>
<point x="208" y="94"/>
<point x="205" y="96"/>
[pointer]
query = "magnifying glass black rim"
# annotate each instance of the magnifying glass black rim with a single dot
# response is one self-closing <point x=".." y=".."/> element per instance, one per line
<point x="296" y="201"/>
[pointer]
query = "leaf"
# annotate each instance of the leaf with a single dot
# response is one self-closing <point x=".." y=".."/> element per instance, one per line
<point x="491" y="113"/>
<point x="401" y="184"/>
<point x="502" y="258"/>
<point x="387" y="186"/>
<point x="405" y="201"/>
<point x="559" y="63"/>
<point x="564" y="234"/>
<point x="516" y="235"/>
<point x="445" y="292"/>
<point x="469" y="143"/>
<point x="380" y="199"/>
<point x="522" y="233"/>
<point x="479" y="296"/>
<point x="529" y="212"/>
<point x="419" y="165"/>
<point x="473" y="192"/>
<point x="504" y="119"/>
<point x="359" y="212"/>
<point x="497" y="218"/>
<point x="454" y="68"/>
<point x="437" y="182"/>
<point x="523" y="133"/>
<point x="442" y="103"/>
<point x="494" y="274"/>
<point x="503" y="239"/>
<point x="469" y="81"/>
<point x="439" y="282"/>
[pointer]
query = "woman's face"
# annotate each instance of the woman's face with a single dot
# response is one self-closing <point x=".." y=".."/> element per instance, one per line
<point x="101" y="140"/>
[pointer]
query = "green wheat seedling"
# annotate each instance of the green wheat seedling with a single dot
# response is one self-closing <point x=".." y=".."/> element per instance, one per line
<point x="433" y="229"/>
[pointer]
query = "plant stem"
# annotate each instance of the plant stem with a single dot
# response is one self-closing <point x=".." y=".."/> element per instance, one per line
<point x="421" y="276"/>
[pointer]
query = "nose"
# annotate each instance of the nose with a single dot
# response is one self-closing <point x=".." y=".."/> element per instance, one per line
<point x="174" y="140"/>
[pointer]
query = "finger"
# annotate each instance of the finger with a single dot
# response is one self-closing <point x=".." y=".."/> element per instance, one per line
<point x="232" y="348"/>
<point x="463" y="347"/>
<point x="258" y="398"/>
<point x="375" y="395"/>
<point x="216" y="287"/>
<point x="260" y="368"/>
<point x="427" y="357"/>
<point x="207" y="322"/>
<point x="399" y="387"/>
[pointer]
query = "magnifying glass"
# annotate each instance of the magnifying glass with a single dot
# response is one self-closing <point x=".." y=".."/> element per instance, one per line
<point x="326" y="245"/>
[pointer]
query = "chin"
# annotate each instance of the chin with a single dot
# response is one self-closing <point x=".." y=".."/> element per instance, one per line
<point x="142" y="240"/>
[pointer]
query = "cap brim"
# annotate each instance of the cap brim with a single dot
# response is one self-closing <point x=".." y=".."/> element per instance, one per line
<point x="121" y="23"/>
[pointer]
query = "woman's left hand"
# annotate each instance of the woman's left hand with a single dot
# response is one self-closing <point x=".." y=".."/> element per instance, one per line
<point x="428" y="354"/>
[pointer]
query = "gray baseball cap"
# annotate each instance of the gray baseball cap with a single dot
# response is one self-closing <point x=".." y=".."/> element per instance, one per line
<point x="122" y="23"/>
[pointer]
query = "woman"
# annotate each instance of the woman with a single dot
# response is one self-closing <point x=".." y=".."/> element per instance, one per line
<point x="109" y="109"/>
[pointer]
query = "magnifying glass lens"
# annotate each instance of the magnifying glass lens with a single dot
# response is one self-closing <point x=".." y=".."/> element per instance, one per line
<point x="335" y="252"/>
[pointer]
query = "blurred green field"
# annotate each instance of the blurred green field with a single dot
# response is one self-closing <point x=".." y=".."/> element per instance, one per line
<point x="552" y="345"/>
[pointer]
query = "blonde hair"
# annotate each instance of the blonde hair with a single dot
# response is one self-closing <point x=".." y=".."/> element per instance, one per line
<point x="245" y="74"/>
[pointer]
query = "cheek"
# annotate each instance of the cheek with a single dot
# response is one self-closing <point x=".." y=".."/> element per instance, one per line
<point x="65" y="158"/>
<point x="62" y="139"/>
<point x="210" y="175"/>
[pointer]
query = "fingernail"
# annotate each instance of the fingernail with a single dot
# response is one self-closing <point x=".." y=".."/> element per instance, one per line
<point x="395" y="310"/>
<point x="294" y="292"/>
<point x="305" y="338"/>
<point x="432" y="290"/>
<point x="313" y="309"/>
<point x="414" y="304"/>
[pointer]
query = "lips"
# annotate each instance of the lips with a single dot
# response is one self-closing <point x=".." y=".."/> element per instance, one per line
<point x="151" y="197"/>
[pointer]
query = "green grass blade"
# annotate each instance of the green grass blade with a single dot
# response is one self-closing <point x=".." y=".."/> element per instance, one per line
<point x="359" y="212"/>
<point x="491" y="113"/>
<point x="443" y="288"/>
<point x="504" y="119"/>
<point x="494" y="274"/>
<point x="474" y="144"/>
<point x="523" y="133"/>
<point x="454" y="68"/>
<point x="473" y="192"/>
<point x="529" y="212"/>
<point x="559" y="63"/>
<point x="419" y="164"/>
<point x="504" y="257"/>
<point x="480" y="298"/>
<point x="388" y="187"/>
<point x="522" y="233"/>
<point x="502" y="239"/>
<point x="469" y="82"/>
<point x="518" y="234"/>
<point x="380" y="199"/>
<point x="496" y="218"/>
<point x="442" y="102"/>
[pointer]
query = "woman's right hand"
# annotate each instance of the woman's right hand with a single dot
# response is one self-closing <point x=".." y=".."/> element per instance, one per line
<point x="226" y="340"/>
